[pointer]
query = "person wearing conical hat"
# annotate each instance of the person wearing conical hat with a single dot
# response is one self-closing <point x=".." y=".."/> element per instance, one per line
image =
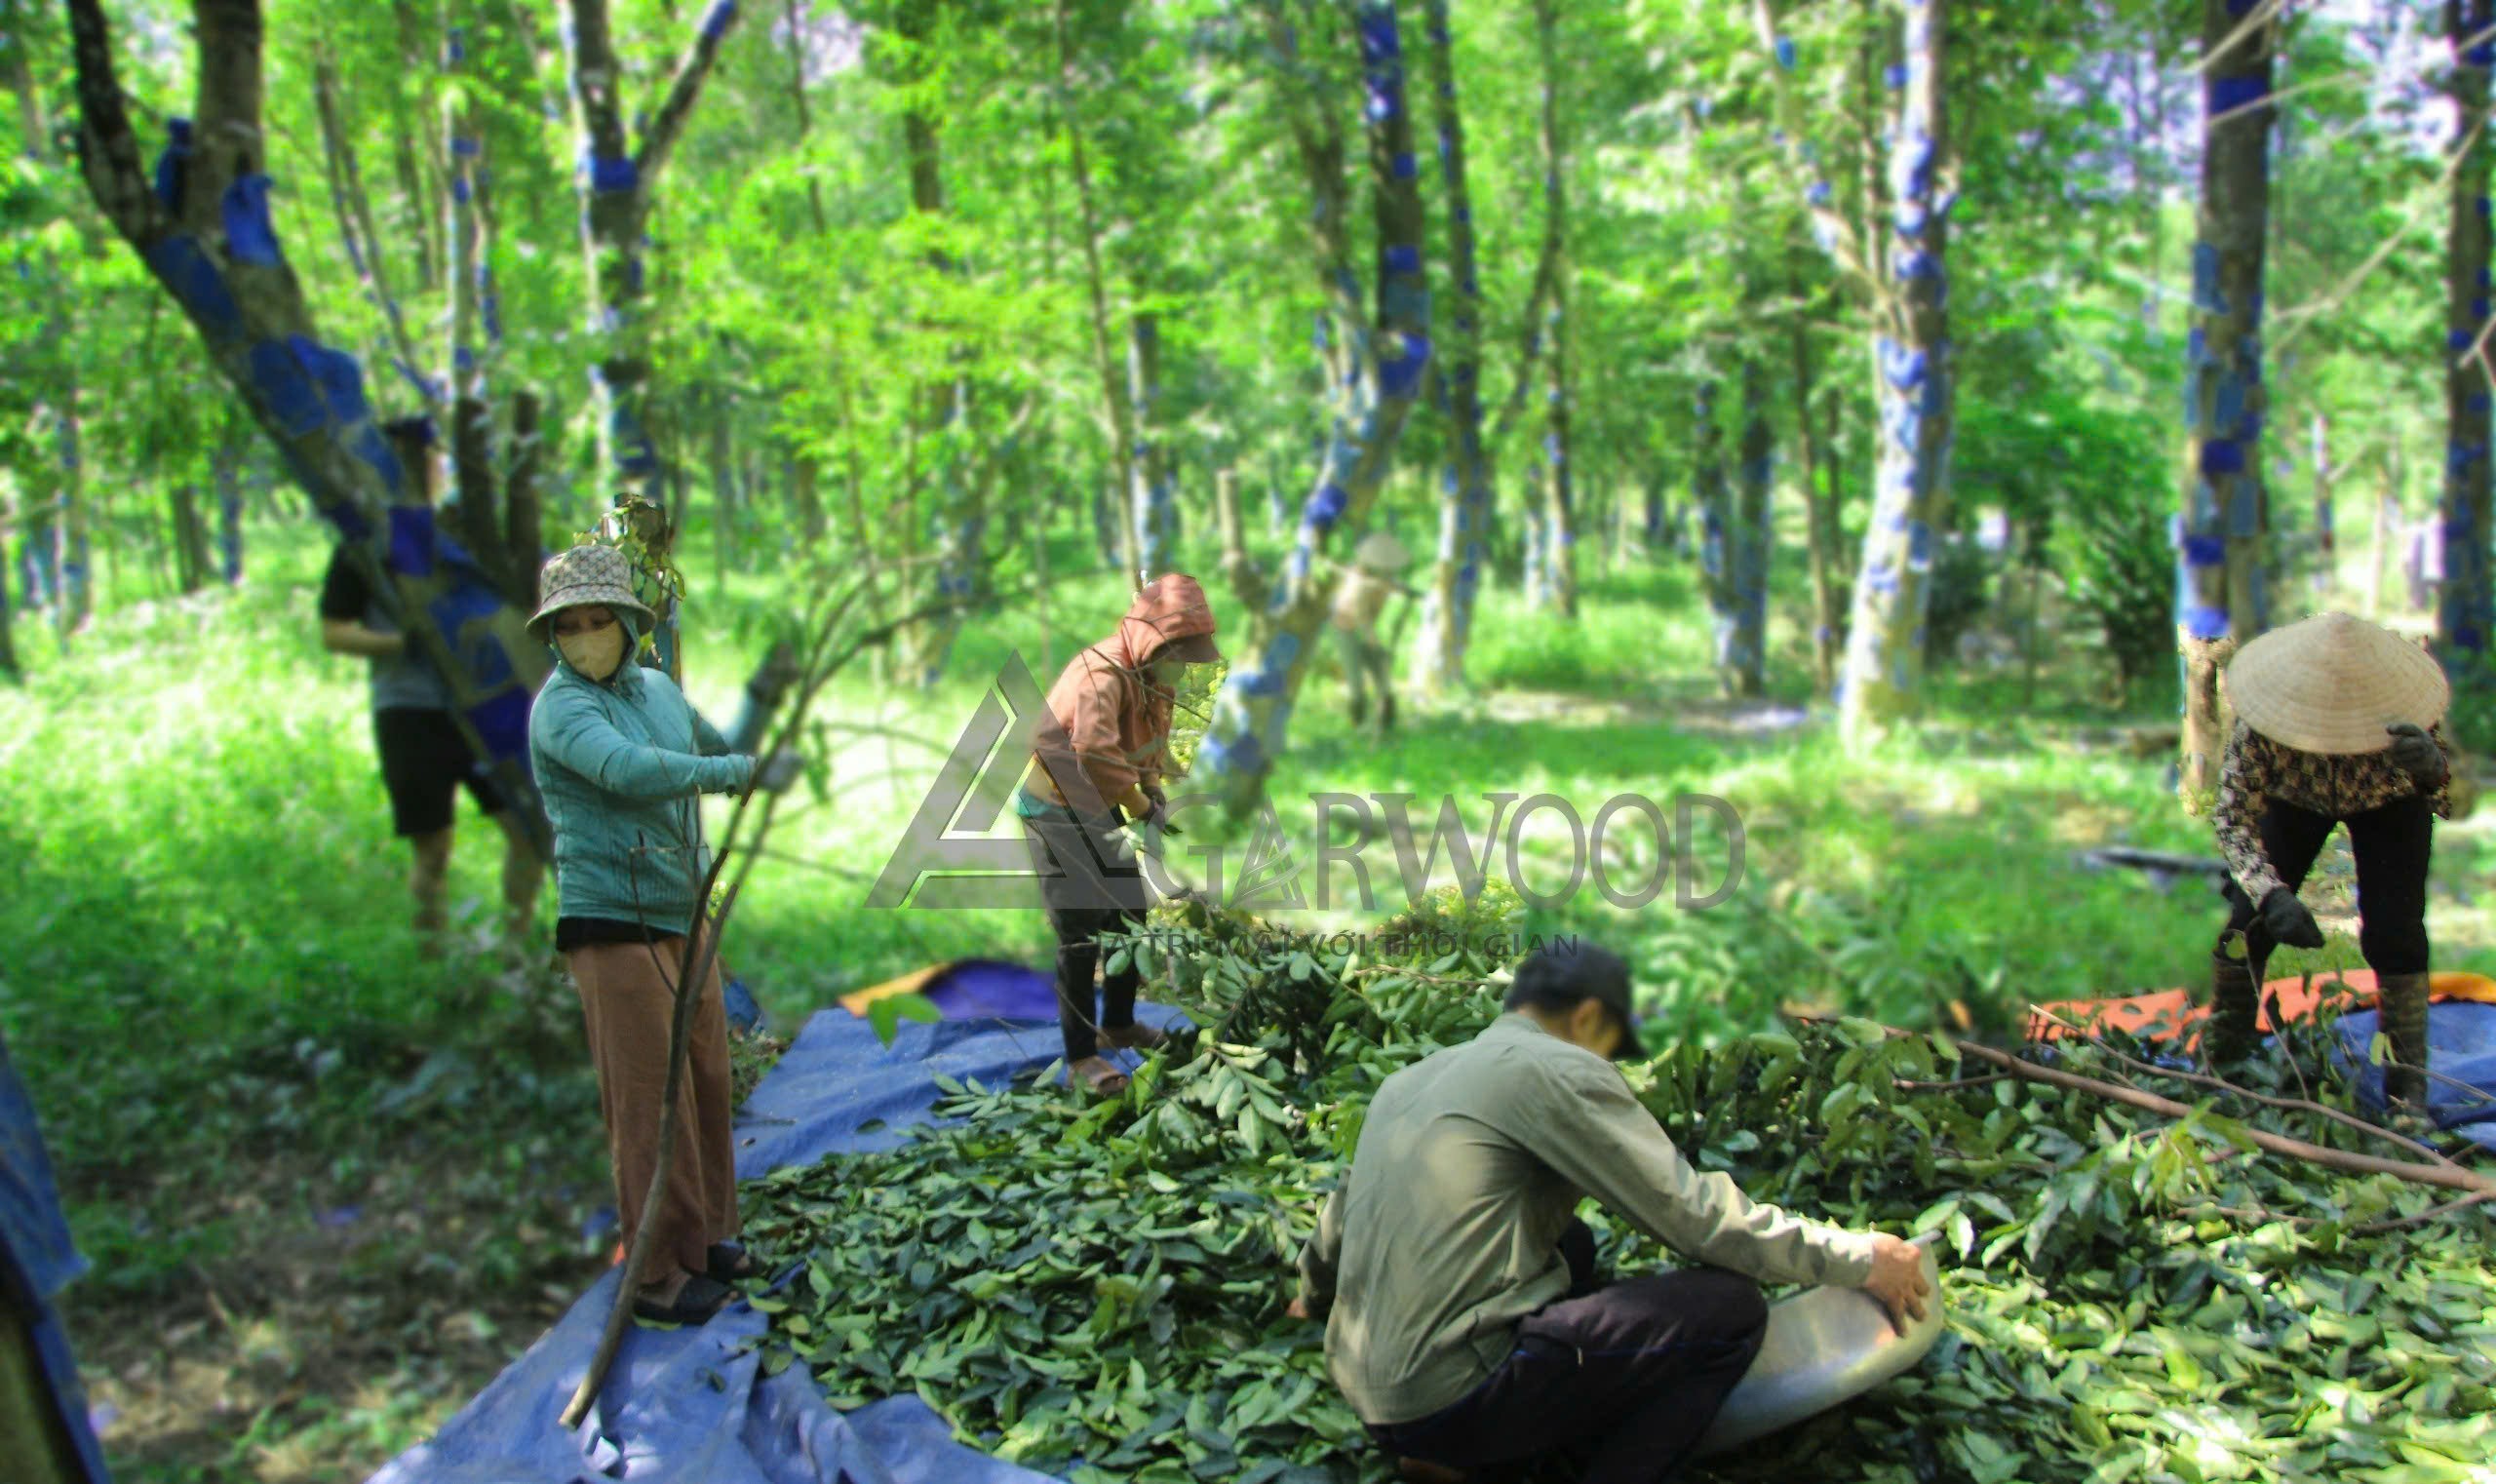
<point x="2337" y="722"/>
<point x="1374" y="575"/>
<point x="622" y="759"/>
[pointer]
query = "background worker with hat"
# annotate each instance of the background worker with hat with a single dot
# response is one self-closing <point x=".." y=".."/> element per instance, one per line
<point x="2336" y="723"/>
<point x="424" y="761"/>
<point x="1464" y="1323"/>
<point x="623" y="761"/>
<point x="1359" y="600"/>
<point x="1096" y="760"/>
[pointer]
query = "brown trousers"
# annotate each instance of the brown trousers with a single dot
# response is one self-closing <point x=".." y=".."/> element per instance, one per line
<point x="627" y="1003"/>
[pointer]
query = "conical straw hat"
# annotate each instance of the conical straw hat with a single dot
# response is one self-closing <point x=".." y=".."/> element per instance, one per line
<point x="2332" y="684"/>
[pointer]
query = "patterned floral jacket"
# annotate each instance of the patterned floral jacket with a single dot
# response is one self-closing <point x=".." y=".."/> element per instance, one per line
<point x="2257" y="771"/>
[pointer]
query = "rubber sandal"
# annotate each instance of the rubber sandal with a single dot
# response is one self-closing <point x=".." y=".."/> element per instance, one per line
<point x="729" y="1263"/>
<point x="698" y="1299"/>
<point x="1106" y="1083"/>
<point x="1135" y="1037"/>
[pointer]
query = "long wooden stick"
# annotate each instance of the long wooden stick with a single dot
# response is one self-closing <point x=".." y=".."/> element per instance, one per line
<point x="701" y="948"/>
<point x="2450" y="1177"/>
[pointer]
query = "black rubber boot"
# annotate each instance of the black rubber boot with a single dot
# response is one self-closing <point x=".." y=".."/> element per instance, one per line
<point x="2235" y="994"/>
<point x="2401" y="999"/>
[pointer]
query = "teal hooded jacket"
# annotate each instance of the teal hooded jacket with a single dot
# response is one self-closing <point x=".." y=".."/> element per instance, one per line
<point x="622" y="764"/>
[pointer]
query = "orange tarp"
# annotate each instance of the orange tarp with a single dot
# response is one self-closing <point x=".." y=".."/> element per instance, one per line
<point x="2171" y="1014"/>
<point x="856" y="1002"/>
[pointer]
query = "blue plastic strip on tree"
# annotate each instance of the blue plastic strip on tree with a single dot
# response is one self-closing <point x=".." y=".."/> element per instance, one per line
<point x="340" y="380"/>
<point x="2222" y="455"/>
<point x="288" y="392"/>
<point x="610" y="174"/>
<point x="1404" y="167"/>
<point x="197" y="284"/>
<point x="174" y="163"/>
<point x="2228" y="93"/>
<point x="412" y="540"/>
<point x="245" y="212"/>
<point x="1894" y="74"/>
<point x="502" y="720"/>
<point x="2205" y="622"/>
<point x="368" y="444"/>
<point x="716" y="21"/>
<point x="1785" y="53"/>
<point x="463" y="616"/>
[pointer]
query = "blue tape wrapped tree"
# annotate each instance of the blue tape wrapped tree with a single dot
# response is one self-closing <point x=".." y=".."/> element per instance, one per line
<point x="1464" y="512"/>
<point x="2464" y="614"/>
<point x="1909" y="287"/>
<point x="1559" y="516"/>
<point x="1751" y="541"/>
<point x="1718" y="536"/>
<point x="616" y="183"/>
<point x="200" y="221"/>
<point x="2220" y="601"/>
<point x="1386" y="351"/>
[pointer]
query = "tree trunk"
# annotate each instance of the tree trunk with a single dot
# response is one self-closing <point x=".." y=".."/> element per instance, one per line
<point x="1150" y="503"/>
<point x="2463" y="612"/>
<point x="616" y="189"/>
<point x="2327" y="548"/>
<point x="1389" y="356"/>
<point x="524" y="517"/>
<point x="190" y="539"/>
<point x="237" y="289"/>
<point x="1720" y="540"/>
<point x="1884" y="643"/>
<point x="1820" y="515"/>
<point x="77" y="591"/>
<point x="227" y="462"/>
<point x="1750" y="573"/>
<point x="1560" y="541"/>
<point x="2387" y="525"/>
<point x="2220" y="602"/>
<point x="1128" y="555"/>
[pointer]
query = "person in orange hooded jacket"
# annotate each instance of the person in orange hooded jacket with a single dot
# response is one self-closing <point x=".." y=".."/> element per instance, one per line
<point x="1097" y="760"/>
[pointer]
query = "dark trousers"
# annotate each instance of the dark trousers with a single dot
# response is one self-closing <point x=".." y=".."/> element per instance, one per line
<point x="1622" y="1378"/>
<point x="2391" y="843"/>
<point x="1088" y="892"/>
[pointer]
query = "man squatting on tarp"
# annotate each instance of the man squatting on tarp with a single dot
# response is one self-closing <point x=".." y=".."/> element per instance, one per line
<point x="1463" y="1321"/>
<point x="424" y="761"/>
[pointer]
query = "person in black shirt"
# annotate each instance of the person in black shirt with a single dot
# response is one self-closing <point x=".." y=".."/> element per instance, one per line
<point x="424" y="760"/>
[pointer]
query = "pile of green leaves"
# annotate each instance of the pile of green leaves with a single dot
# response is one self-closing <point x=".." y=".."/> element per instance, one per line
<point x="1098" y="1290"/>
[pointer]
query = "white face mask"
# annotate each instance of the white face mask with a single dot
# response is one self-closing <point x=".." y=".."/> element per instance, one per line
<point x="593" y="652"/>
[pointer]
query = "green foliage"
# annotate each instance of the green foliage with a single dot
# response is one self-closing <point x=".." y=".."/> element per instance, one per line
<point x="2126" y="1298"/>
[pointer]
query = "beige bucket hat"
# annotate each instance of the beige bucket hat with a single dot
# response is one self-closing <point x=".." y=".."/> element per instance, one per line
<point x="2332" y="683"/>
<point x="587" y="574"/>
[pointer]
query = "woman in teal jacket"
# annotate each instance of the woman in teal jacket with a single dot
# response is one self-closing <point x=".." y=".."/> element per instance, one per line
<point x="623" y="761"/>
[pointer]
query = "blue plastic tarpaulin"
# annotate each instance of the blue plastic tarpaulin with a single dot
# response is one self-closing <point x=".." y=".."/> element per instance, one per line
<point x="2461" y="1050"/>
<point x="36" y="1258"/>
<point x="683" y="1406"/>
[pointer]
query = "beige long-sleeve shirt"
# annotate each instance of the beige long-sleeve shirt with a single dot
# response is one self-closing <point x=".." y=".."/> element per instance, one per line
<point x="1441" y="1235"/>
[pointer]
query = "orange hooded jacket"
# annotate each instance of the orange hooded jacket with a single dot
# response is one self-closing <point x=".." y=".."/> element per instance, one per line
<point x="1107" y="721"/>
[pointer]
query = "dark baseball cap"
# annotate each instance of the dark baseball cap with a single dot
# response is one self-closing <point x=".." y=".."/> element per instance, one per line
<point x="1560" y="976"/>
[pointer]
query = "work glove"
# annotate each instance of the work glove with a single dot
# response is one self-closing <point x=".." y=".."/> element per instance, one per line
<point x="2416" y="754"/>
<point x="1158" y="816"/>
<point x="779" y="771"/>
<point x="2288" y="920"/>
